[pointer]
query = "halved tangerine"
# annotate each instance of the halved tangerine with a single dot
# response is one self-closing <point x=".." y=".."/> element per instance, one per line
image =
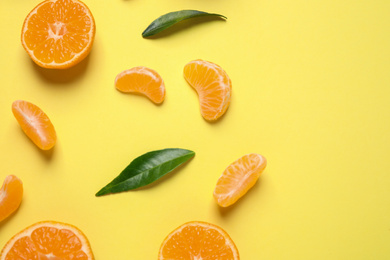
<point x="11" y="194"/>
<point x="58" y="34"/>
<point x="238" y="178"/>
<point x="213" y="86"/>
<point x="142" y="80"/>
<point x="48" y="240"/>
<point x="35" y="124"/>
<point x="198" y="240"/>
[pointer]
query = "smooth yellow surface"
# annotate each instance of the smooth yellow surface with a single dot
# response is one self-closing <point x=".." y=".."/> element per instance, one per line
<point x="311" y="92"/>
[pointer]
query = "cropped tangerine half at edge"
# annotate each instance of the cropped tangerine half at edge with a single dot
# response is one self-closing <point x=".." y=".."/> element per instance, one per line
<point x="213" y="86"/>
<point x="238" y="178"/>
<point x="198" y="240"/>
<point x="142" y="80"/>
<point x="11" y="194"/>
<point x="48" y="240"/>
<point x="35" y="124"/>
<point x="58" y="34"/>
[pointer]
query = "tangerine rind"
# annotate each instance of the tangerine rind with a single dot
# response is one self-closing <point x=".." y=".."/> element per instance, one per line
<point x="27" y="232"/>
<point x="73" y="50"/>
<point x="189" y="252"/>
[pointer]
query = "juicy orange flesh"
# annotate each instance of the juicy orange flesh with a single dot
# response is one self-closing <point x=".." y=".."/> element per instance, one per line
<point x="238" y="178"/>
<point x="212" y="85"/>
<point x="58" y="31"/>
<point x="48" y="243"/>
<point x="197" y="242"/>
<point x="142" y="80"/>
<point x="11" y="194"/>
<point x="35" y="123"/>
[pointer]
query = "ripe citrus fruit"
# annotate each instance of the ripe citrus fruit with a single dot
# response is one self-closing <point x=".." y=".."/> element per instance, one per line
<point x="48" y="240"/>
<point x="58" y="34"/>
<point x="198" y="240"/>
<point x="11" y="194"/>
<point x="142" y="80"/>
<point x="238" y="178"/>
<point x="213" y="86"/>
<point x="35" y="124"/>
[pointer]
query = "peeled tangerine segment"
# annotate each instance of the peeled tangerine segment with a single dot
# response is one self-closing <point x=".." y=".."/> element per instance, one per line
<point x="35" y="124"/>
<point x="213" y="86"/>
<point x="142" y="80"/>
<point x="238" y="178"/>
<point x="11" y="194"/>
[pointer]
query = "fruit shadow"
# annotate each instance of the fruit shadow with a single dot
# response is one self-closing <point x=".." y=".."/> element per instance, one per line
<point x="63" y="76"/>
<point x="215" y="122"/>
<point x="254" y="191"/>
<point x="185" y="25"/>
<point x="46" y="154"/>
<point x="141" y="96"/>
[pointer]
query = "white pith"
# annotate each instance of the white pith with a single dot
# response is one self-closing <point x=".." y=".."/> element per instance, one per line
<point x="225" y="86"/>
<point x="53" y="33"/>
<point x="28" y="231"/>
<point x="239" y="179"/>
<point x="31" y="120"/>
<point x="228" y="242"/>
<point x="143" y="71"/>
<point x="4" y="194"/>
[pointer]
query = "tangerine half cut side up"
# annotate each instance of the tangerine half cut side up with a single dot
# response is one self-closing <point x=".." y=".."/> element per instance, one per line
<point x="35" y="124"/>
<point x="58" y="34"/>
<point x="213" y="86"/>
<point x="198" y="240"/>
<point x="11" y="194"/>
<point x="141" y="80"/>
<point x="238" y="178"/>
<point x="48" y="240"/>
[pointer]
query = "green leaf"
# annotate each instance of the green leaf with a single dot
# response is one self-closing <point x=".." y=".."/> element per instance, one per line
<point x="169" y="19"/>
<point x="146" y="169"/>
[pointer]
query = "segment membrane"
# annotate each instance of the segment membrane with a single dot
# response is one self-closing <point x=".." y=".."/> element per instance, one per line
<point x="57" y="31"/>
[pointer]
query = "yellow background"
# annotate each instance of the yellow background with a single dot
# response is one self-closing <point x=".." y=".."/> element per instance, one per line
<point x="311" y="92"/>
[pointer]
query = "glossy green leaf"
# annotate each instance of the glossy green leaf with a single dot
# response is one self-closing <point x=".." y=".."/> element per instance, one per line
<point x="146" y="169"/>
<point x="169" y="19"/>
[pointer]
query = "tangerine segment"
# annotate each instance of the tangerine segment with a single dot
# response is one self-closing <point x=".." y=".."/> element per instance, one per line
<point x="198" y="240"/>
<point x="142" y="80"/>
<point x="48" y="240"/>
<point x="238" y="178"/>
<point x="11" y="194"/>
<point x="213" y="86"/>
<point x="35" y="124"/>
<point x="58" y="34"/>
